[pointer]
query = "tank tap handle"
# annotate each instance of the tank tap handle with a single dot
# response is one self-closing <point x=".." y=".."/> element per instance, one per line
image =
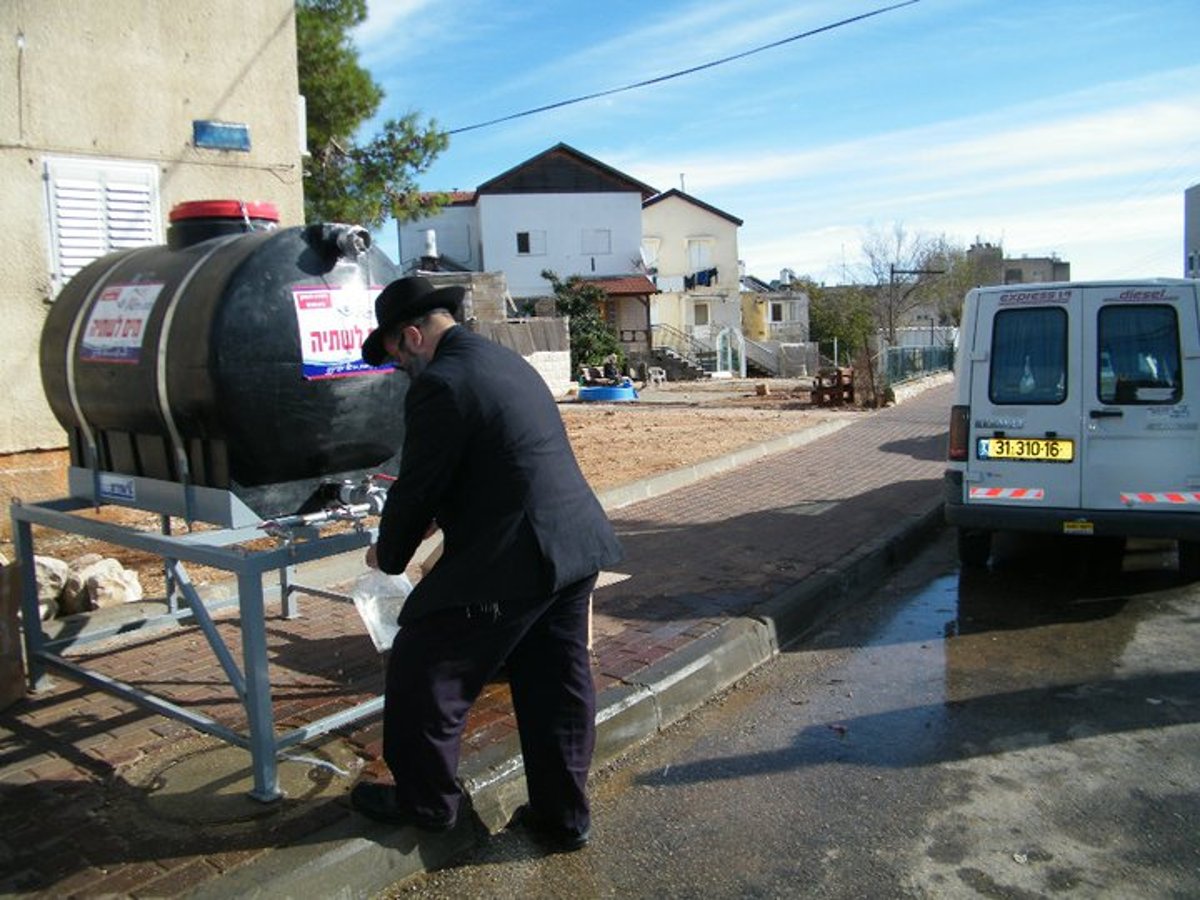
<point x="332" y="239"/>
<point x="352" y="240"/>
<point x="366" y="493"/>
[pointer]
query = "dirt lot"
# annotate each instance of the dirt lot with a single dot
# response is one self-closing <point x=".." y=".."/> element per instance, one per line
<point x="670" y="427"/>
<point x="684" y="423"/>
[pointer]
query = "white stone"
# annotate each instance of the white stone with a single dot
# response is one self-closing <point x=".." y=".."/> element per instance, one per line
<point x="75" y="597"/>
<point x="111" y="585"/>
<point x="51" y="575"/>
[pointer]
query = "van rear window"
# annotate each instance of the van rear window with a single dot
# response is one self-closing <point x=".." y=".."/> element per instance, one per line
<point x="1029" y="356"/>
<point x="1139" y="355"/>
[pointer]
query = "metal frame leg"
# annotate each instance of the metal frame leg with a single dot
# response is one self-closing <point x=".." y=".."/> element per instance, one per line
<point x="258" y="689"/>
<point x="172" y="598"/>
<point x="291" y="609"/>
<point x="31" y="616"/>
<point x="218" y="549"/>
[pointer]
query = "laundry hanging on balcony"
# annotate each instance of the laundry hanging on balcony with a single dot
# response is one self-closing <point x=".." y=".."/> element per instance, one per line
<point x="703" y="278"/>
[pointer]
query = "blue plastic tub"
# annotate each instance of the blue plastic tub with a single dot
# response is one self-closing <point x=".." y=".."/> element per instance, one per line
<point x="607" y="393"/>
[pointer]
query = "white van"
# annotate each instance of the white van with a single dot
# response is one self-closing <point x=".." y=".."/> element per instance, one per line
<point x="1077" y="412"/>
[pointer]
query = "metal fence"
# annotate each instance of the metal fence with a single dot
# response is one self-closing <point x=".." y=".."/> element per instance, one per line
<point x="903" y="363"/>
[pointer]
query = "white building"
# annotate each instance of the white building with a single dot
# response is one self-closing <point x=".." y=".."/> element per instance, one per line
<point x="691" y="248"/>
<point x="561" y="211"/>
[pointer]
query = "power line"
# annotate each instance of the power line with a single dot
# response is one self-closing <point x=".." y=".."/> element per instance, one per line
<point x="681" y="72"/>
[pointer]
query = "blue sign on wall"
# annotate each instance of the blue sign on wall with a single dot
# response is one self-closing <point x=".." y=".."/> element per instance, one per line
<point x="212" y="135"/>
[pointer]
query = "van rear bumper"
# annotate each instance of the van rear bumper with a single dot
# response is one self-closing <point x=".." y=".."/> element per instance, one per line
<point x="1123" y="522"/>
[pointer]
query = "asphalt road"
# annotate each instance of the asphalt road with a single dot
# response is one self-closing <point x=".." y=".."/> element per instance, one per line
<point x="1030" y="731"/>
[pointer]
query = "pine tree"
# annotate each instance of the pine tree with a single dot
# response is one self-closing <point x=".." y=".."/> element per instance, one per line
<point x="345" y="181"/>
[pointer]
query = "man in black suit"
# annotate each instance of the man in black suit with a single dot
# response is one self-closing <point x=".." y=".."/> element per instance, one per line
<point x="486" y="459"/>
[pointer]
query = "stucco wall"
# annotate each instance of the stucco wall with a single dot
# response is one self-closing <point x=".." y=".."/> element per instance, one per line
<point x="562" y="217"/>
<point x="754" y="316"/>
<point x="122" y="81"/>
<point x="457" y="229"/>
<point x="674" y="221"/>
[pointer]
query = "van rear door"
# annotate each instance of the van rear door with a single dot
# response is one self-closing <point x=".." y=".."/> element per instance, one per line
<point x="1025" y="403"/>
<point x="1141" y="398"/>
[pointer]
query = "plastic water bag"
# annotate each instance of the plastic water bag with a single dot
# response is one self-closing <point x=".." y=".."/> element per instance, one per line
<point x="379" y="597"/>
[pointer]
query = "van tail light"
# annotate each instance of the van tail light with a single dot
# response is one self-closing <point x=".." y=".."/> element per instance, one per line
<point x="960" y="426"/>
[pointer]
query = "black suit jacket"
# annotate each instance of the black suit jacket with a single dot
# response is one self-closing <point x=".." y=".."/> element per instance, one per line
<point x="486" y="455"/>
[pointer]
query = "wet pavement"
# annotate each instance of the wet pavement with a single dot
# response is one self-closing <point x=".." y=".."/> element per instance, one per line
<point x="723" y="567"/>
<point x="1024" y="732"/>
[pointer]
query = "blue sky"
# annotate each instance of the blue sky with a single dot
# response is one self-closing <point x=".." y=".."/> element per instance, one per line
<point x="1049" y="126"/>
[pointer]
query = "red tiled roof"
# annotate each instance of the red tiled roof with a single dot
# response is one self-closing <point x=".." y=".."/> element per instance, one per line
<point x="456" y="198"/>
<point x="624" y="285"/>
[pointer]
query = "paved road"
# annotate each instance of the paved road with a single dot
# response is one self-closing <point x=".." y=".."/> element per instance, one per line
<point x="724" y="562"/>
<point x="1027" y="732"/>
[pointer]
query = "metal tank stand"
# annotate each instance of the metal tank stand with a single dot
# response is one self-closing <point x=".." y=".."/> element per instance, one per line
<point x="299" y="540"/>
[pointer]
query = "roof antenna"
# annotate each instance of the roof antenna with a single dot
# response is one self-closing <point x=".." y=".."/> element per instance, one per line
<point x="682" y="189"/>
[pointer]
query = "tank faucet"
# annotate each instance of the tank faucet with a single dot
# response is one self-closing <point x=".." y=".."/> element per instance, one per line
<point x="352" y="240"/>
<point x="333" y="239"/>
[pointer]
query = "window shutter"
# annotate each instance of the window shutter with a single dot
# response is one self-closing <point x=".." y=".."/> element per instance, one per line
<point x="650" y="247"/>
<point x="596" y="242"/>
<point x="699" y="254"/>
<point x="131" y="220"/>
<point x="96" y="207"/>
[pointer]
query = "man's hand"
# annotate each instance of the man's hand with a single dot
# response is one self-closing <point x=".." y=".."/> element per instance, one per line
<point x="372" y="552"/>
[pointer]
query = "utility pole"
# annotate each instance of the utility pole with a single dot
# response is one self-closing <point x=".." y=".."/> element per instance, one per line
<point x="892" y="302"/>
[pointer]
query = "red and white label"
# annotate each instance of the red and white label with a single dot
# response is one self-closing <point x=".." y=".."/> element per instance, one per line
<point x="117" y="323"/>
<point x="1161" y="498"/>
<point x="982" y="493"/>
<point x="334" y="320"/>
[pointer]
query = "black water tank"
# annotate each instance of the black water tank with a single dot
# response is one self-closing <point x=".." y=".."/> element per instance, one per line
<point x="228" y="359"/>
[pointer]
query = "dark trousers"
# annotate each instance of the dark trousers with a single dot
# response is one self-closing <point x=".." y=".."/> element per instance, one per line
<point x="440" y="663"/>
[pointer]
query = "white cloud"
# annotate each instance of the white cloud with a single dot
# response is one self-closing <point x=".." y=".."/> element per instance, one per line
<point x="1101" y="239"/>
<point x="402" y="29"/>
<point x="1098" y="175"/>
<point x="384" y="17"/>
<point x="659" y="43"/>
<point x="1106" y="142"/>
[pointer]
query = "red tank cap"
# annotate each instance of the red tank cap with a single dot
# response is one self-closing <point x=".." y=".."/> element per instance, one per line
<point x="223" y="209"/>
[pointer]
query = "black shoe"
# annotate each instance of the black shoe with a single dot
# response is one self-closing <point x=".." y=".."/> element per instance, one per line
<point x="552" y="838"/>
<point x="378" y="801"/>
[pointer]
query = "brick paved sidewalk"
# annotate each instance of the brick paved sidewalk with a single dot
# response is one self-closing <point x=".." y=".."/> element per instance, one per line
<point x="97" y="796"/>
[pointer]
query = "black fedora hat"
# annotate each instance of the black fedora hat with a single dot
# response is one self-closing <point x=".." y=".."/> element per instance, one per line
<point x="403" y="300"/>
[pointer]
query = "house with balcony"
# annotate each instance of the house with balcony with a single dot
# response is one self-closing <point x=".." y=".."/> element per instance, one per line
<point x="561" y="211"/>
<point x="690" y="249"/>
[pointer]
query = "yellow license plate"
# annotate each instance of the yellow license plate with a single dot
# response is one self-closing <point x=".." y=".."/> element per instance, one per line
<point x="1027" y="449"/>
